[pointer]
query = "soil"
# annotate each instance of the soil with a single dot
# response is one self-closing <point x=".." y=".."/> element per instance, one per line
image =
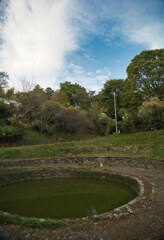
<point x="144" y="222"/>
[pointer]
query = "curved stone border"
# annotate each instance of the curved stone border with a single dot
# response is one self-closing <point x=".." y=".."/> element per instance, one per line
<point x="27" y="175"/>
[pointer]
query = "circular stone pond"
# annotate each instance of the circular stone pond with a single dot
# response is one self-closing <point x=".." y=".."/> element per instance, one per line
<point x="64" y="197"/>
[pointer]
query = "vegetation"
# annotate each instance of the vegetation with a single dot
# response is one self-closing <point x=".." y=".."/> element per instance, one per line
<point x="7" y="218"/>
<point x="73" y="111"/>
<point x="148" y="144"/>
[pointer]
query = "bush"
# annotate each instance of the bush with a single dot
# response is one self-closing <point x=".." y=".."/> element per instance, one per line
<point x="151" y="113"/>
<point x="72" y="120"/>
<point x="9" y="133"/>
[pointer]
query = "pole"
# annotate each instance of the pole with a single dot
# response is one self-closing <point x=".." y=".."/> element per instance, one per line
<point x="115" y="111"/>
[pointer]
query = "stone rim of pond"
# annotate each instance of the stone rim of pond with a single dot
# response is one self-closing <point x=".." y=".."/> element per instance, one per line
<point x="28" y="175"/>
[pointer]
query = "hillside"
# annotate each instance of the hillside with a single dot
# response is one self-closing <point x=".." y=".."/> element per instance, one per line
<point x="143" y="144"/>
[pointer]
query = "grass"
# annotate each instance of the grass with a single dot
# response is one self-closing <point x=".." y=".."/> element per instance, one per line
<point x="143" y="144"/>
<point x="31" y="135"/>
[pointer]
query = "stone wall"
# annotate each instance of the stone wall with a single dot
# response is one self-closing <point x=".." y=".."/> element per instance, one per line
<point x="85" y="161"/>
<point x="27" y="175"/>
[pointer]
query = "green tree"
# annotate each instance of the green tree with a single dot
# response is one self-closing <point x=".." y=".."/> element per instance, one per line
<point x="146" y="74"/>
<point x="76" y="94"/>
<point x="49" y="92"/>
<point x="131" y="97"/>
<point x="105" y="98"/>
<point x="61" y="98"/>
<point x="152" y="113"/>
<point x="107" y="123"/>
<point x="129" y="122"/>
<point x="4" y="112"/>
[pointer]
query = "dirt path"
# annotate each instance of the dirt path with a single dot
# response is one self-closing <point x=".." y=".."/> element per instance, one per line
<point x="146" y="222"/>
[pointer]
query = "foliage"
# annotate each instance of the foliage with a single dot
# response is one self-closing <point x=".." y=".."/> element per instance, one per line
<point x="10" y="133"/>
<point x="7" y="218"/>
<point x="4" y="112"/>
<point x="72" y="120"/>
<point x="106" y="97"/>
<point x="152" y="113"/>
<point x="4" y="77"/>
<point x="106" y="125"/>
<point x="146" y="73"/>
<point x="131" y="97"/>
<point x="77" y="95"/>
<point x="93" y="115"/>
<point x="61" y="97"/>
<point x="10" y="130"/>
<point x="129" y="120"/>
<point x="72" y="109"/>
<point x="31" y="104"/>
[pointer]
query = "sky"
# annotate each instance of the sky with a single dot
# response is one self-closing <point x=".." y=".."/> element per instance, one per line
<point x="48" y="42"/>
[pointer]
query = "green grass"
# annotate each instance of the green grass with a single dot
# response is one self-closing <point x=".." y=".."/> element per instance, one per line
<point x="144" y="144"/>
<point x="34" y="136"/>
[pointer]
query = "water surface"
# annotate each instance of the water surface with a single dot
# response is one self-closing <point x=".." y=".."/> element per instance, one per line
<point x="64" y="197"/>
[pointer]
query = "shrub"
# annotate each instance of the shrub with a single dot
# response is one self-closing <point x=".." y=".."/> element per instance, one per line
<point x="9" y="133"/>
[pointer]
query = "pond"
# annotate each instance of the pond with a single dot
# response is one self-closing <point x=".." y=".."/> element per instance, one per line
<point x="59" y="198"/>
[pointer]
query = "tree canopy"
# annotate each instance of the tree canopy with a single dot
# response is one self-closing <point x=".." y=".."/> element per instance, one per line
<point x="146" y="73"/>
<point x="106" y="96"/>
<point x="76" y="94"/>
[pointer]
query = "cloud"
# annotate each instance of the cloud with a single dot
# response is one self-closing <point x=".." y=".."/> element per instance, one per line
<point x="134" y="21"/>
<point x="92" y="80"/>
<point x="142" y="24"/>
<point x="137" y="22"/>
<point x="36" y="37"/>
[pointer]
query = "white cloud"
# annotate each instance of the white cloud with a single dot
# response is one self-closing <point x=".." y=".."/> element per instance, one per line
<point x="37" y="35"/>
<point x="137" y="21"/>
<point x="92" y="80"/>
<point x="150" y="35"/>
<point x="142" y="24"/>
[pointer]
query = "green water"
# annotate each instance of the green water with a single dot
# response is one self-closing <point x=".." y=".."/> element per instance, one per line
<point x="63" y="197"/>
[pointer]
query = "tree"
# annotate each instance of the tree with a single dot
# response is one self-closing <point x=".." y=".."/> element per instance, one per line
<point x="93" y="114"/>
<point x="4" y="112"/>
<point x="26" y="86"/>
<point x="31" y="104"/>
<point x="129" y="121"/>
<point x="152" y="113"/>
<point x="46" y="121"/>
<point x="4" y="77"/>
<point x="77" y="94"/>
<point x="131" y="97"/>
<point x="72" y="120"/>
<point x="105" y="98"/>
<point x="146" y="74"/>
<point x="107" y="122"/>
<point x="61" y="98"/>
<point x="49" y="91"/>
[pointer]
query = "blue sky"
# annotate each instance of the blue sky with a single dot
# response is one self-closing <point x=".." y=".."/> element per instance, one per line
<point x="47" y="42"/>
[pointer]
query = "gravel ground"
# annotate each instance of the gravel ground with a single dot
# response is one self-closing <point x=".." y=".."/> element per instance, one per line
<point x="145" y="222"/>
